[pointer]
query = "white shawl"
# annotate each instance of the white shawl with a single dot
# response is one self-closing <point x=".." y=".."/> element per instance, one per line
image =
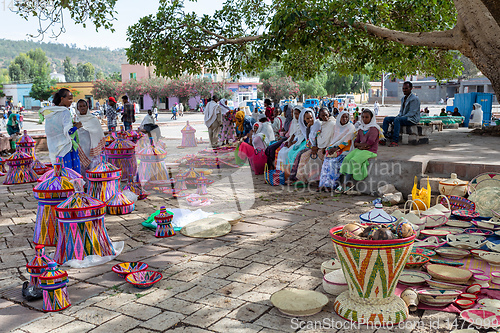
<point x="94" y="142"/>
<point x="315" y="128"/>
<point x="58" y="122"/>
<point x="373" y="123"/>
<point x="211" y="112"/>
<point x="476" y="116"/>
<point x="343" y="133"/>
<point x="327" y="130"/>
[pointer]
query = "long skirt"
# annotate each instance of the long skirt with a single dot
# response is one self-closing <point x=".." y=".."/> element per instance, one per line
<point x="256" y="158"/>
<point x="330" y="171"/>
<point x="310" y="168"/>
<point x="295" y="167"/>
<point x="281" y="160"/>
<point x="228" y="132"/>
<point x="271" y="153"/>
<point x="356" y="164"/>
<point x="72" y="160"/>
<point x="294" y="151"/>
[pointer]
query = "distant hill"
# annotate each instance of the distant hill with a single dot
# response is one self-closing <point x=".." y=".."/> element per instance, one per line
<point x="107" y="60"/>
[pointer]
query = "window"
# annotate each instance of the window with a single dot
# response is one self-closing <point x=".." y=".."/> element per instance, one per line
<point x="417" y="87"/>
<point x="133" y="76"/>
<point x="432" y="87"/>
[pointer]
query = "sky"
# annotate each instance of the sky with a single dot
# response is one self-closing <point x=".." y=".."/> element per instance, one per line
<point x="14" y="27"/>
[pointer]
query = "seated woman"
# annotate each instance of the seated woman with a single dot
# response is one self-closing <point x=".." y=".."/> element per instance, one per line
<point x="294" y="136"/>
<point x="311" y="162"/>
<point x="443" y="113"/>
<point x="260" y="138"/>
<point x="340" y="146"/>
<point x="244" y="124"/>
<point x="273" y="148"/>
<point x="227" y="134"/>
<point x="13" y="124"/>
<point x="366" y="147"/>
<point x="278" y="123"/>
<point x="149" y="127"/>
<point x="61" y="130"/>
<point x="90" y="136"/>
<point x="308" y="124"/>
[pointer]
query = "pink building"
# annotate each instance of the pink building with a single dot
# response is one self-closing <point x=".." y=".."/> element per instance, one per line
<point x="137" y="72"/>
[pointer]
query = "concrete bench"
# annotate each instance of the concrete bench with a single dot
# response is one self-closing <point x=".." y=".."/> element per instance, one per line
<point x="414" y="135"/>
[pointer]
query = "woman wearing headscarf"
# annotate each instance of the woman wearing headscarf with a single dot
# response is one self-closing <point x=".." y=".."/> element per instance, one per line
<point x="61" y="130"/>
<point x="13" y="124"/>
<point x="366" y="147"/>
<point x="90" y="136"/>
<point x="288" y="113"/>
<point x="294" y="134"/>
<point x="278" y="123"/>
<point x="244" y="124"/>
<point x="307" y="124"/>
<point x="340" y="146"/>
<point x="227" y="133"/>
<point x="476" y="116"/>
<point x="311" y="161"/>
<point x="260" y="138"/>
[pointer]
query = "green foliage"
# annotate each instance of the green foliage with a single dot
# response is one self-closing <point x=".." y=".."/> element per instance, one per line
<point x="314" y="87"/>
<point x="42" y="87"/>
<point x="26" y="67"/>
<point x="85" y="71"/>
<point x="133" y="89"/>
<point x="344" y="84"/>
<point x="302" y="35"/>
<point x="70" y="71"/>
<point x="277" y="88"/>
<point x="104" y="59"/>
<point x="104" y="89"/>
<point x="99" y="75"/>
<point x="115" y="76"/>
<point x="204" y="87"/>
<point x="221" y="91"/>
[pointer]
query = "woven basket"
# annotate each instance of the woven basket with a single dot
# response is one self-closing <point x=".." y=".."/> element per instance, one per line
<point x="457" y="203"/>
<point x="372" y="270"/>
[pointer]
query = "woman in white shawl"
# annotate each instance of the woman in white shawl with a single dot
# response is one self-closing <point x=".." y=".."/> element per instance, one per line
<point x="90" y="136"/>
<point x="476" y="116"/>
<point x="293" y="134"/>
<point x="278" y="123"/>
<point x="338" y="149"/>
<point x="309" y="167"/>
<point x="261" y="136"/>
<point x="61" y="130"/>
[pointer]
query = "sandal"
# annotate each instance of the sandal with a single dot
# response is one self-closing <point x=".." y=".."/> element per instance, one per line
<point x="394" y="144"/>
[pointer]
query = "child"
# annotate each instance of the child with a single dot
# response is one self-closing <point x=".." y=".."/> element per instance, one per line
<point x="366" y="147"/>
<point x="174" y="112"/>
<point x="21" y="118"/>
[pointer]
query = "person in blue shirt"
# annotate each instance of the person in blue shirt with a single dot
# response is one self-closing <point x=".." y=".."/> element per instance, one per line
<point x="409" y="114"/>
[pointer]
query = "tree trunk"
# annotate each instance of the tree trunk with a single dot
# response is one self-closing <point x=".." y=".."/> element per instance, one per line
<point x="480" y="38"/>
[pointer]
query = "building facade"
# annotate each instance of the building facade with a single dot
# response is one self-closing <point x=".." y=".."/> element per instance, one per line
<point x="19" y="93"/>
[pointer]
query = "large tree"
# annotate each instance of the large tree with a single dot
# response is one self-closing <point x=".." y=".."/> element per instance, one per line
<point x="277" y="88"/>
<point x="403" y="37"/>
<point x="154" y="87"/>
<point x="70" y="71"/>
<point x="103" y="89"/>
<point x="85" y="71"/>
<point x="28" y="66"/>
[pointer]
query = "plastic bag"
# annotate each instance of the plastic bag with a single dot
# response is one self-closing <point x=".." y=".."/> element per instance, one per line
<point x="31" y="293"/>
<point x="94" y="260"/>
<point x="423" y="194"/>
<point x="130" y="195"/>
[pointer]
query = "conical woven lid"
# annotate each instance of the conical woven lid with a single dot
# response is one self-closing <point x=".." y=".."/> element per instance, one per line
<point x="188" y="128"/>
<point x="65" y="172"/>
<point x="53" y="273"/>
<point x="120" y="144"/>
<point x="165" y="216"/>
<point x="26" y="141"/>
<point x="80" y="202"/>
<point x="377" y="215"/>
<point x="104" y="170"/>
<point x="119" y="200"/>
<point x="39" y="262"/>
<point x="152" y="153"/>
<point x="55" y="184"/>
<point x="19" y="158"/>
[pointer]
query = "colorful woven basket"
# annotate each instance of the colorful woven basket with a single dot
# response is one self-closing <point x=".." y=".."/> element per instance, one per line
<point x="458" y="203"/>
<point x="136" y="187"/>
<point x="119" y="204"/>
<point x="489" y="179"/>
<point x="110" y="138"/>
<point x="49" y="194"/>
<point x="151" y="167"/>
<point x="143" y="279"/>
<point x="104" y="181"/>
<point x="20" y="169"/>
<point x="55" y="295"/>
<point x="274" y="177"/>
<point x="36" y="266"/>
<point x="125" y="268"/>
<point x="121" y="154"/>
<point x="65" y="172"/>
<point x="164" y="226"/>
<point x="26" y="144"/>
<point x="372" y="270"/>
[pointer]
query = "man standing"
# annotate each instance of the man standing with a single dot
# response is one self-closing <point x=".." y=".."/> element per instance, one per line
<point x="409" y="114"/>
<point x="110" y="114"/>
<point x="213" y="120"/>
<point x="181" y="109"/>
<point x="128" y="117"/>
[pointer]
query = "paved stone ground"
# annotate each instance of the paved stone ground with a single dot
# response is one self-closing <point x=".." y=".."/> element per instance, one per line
<point x="212" y="285"/>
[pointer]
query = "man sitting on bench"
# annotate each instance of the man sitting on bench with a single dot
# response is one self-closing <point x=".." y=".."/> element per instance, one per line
<point x="409" y="114"/>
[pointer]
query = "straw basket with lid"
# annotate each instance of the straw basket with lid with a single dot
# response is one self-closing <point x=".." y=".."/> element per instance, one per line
<point x="453" y="186"/>
<point x="152" y="167"/>
<point x="65" y="172"/>
<point x="104" y="180"/>
<point x="26" y="144"/>
<point x="188" y="136"/>
<point x="133" y="135"/>
<point x="119" y="204"/>
<point x="164" y="226"/>
<point x="49" y="194"/>
<point x="81" y="228"/>
<point x="110" y="138"/>
<point x="201" y="185"/>
<point x="372" y="270"/>
<point x="55" y="294"/>
<point x="20" y="169"/>
<point x="121" y="153"/>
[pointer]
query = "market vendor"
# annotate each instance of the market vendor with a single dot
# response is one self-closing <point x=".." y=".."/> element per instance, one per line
<point x="443" y="113"/>
<point x="456" y="113"/>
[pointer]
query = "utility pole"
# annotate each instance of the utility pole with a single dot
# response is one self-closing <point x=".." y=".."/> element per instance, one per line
<point x="385" y="76"/>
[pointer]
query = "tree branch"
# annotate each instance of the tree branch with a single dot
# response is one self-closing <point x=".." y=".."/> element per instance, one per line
<point x="222" y="41"/>
<point x="448" y="39"/>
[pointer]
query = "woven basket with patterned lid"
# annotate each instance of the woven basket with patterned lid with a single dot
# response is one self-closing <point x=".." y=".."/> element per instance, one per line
<point x="39" y="262"/>
<point x="133" y="135"/>
<point x="80" y="205"/>
<point x="53" y="276"/>
<point x="26" y="141"/>
<point x="165" y="216"/>
<point x="19" y="158"/>
<point x="65" y="172"/>
<point x="119" y="204"/>
<point x="104" y="171"/>
<point x="56" y="186"/>
<point x="120" y="146"/>
<point x="152" y="153"/>
<point x="110" y="138"/>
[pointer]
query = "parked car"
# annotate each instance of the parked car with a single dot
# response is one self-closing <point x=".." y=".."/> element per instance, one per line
<point x="311" y="103"/>
<point x="347" y="102"/>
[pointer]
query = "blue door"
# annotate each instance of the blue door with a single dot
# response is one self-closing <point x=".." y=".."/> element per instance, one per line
<point x="486" y="101"/>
